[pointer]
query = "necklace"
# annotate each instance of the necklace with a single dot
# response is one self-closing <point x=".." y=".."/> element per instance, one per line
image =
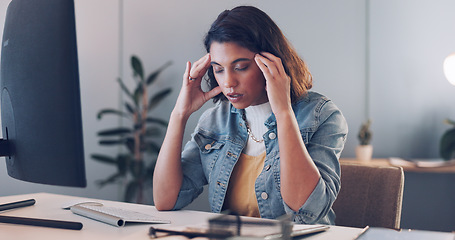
<point x="250" y="133"/>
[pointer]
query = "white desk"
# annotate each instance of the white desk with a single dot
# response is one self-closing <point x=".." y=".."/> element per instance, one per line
<point x="49" y="206"/>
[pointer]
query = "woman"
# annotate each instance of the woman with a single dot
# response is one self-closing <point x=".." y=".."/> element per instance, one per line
<point x="269" y="146"/>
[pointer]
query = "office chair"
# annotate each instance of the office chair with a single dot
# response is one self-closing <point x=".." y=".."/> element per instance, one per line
<point x="369" y="196"/>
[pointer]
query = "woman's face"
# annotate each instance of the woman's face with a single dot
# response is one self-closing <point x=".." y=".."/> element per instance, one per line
<point x="236" y="72"/>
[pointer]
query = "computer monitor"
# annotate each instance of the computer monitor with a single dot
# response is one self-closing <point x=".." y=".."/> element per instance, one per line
<point x="40" y="96"/>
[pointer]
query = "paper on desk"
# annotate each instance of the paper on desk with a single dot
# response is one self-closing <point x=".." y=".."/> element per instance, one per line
<point x="252" y="232"/>
<point x="400" y="162"/>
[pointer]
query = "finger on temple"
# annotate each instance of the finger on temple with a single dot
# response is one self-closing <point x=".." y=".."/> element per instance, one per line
<point x="200" y="66"/>
<point x="268" y="64"/>
<point x="275" y="60"/>
<point x="187" y="71"/>
<point x="262" y="66"/>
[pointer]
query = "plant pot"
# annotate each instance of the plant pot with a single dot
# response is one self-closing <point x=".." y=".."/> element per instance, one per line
<point x="364" y="152"/>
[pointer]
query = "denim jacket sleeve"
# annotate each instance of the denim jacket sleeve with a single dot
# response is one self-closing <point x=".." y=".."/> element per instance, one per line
<point x="324" y="139"/>
<point x="193" y="183"/>
<point x="193" y="175"/>
<point x="195" y="171"/>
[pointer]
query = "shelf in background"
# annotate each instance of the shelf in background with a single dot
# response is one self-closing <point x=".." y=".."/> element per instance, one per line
<point x="408" y="166"/>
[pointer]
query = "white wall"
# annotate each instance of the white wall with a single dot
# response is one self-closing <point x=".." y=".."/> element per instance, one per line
<point x="410" y="97"/>
<point x="409" y="40"/>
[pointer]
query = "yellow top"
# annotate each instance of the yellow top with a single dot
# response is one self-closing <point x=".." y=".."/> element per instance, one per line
<point x="241" y="196"/>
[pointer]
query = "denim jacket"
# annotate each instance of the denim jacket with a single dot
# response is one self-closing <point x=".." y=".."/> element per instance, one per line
<point x="220" y="136"/>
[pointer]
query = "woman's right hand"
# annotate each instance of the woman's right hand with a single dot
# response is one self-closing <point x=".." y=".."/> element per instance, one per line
<point x="168" y="176"/>
<point x="191" y="96"/>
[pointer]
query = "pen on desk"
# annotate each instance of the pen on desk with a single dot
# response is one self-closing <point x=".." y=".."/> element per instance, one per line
<point x="18" y="204"/>
<point x="41" y="222"/>
<point x="190" y="234"/>
<point x="362" y="232"/>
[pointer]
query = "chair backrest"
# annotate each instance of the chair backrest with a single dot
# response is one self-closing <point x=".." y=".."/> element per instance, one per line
<point x="369" y="196"/>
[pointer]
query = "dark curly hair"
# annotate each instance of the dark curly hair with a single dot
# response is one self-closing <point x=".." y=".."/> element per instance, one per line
<point x="253" y="29"/>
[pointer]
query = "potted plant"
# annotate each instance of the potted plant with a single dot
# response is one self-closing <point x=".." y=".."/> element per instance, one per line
<point x="136" y="164"/>
<point x="364" y="150"/>
<point x="447" y="144"/>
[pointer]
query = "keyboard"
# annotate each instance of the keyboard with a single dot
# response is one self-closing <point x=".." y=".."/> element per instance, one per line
<point x="113" y="215"/>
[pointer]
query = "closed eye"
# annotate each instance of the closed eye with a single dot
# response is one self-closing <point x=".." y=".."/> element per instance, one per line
<point x="241" y="68"/>
<point x="218" y="69"/>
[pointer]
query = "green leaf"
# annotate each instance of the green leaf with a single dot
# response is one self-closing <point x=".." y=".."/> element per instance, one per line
<point x="447" y="144"/>
<point x="138" y="125"/>
<point x="111" y="111"/>
<point x="157" y="98"/>
<point x="112" y="142"/>
<point x="130" y="145"/>
<point x="365" y="133"/>
<point x="131" y="191"/>
<point x="137" y="169"/>
<point x="450" y="122"/>
<point x="111" y="179"/>
<point x="138" y="93"/>
<point x="137" y="67"/>
<point x="125" y="89"/>
<point x="151" y="147"/>
<point x="129" y="108"/>
<point x="153" y="76"/>
<point x="128" y="142"/>
<point x="104" y="158"/>
<point x="115" y="131"/>
<point x="152" y="132"/>
<point x="123" y="161"/>
<point x="156" y="120"/>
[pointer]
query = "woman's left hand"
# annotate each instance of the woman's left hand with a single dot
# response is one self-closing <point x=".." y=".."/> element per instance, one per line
<point x="296" y="164"/>
<point x="278" y="83"/>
